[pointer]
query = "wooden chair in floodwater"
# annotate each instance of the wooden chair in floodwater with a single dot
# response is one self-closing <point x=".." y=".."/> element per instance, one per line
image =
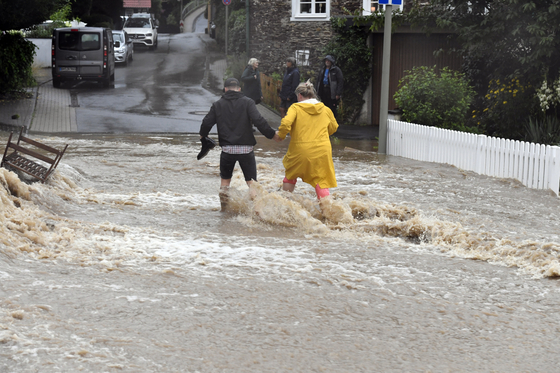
<point x="20" y="156"/>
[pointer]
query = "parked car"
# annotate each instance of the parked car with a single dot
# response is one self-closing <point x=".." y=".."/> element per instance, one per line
<point x="124" y="48"/>
<point x="142" y="29"/>
<point x="83" y="53"/>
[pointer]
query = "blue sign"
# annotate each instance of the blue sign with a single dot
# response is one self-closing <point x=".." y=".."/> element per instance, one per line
<point x="226" y="2"/>
<point x="390" y="2"/>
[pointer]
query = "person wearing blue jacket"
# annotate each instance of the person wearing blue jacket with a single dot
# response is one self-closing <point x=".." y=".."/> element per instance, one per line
<point x="330" y="84"/>
<point x="289" y="85"/>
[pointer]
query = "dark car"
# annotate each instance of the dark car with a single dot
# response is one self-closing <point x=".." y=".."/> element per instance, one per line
<point x="83" y="53"/>
<point x="124" y="48"/>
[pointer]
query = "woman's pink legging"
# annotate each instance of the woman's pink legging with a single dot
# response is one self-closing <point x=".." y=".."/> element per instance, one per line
<point x="321" y="192"/>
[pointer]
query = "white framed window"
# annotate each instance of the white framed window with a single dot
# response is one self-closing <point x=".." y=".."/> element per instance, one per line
<point x="372" y="6"/>
<point x="302" y="57"/>
<point x="311" y="10"/>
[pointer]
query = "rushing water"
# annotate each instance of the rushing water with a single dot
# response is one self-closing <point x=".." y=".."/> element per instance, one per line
<point x="123" y="262"/>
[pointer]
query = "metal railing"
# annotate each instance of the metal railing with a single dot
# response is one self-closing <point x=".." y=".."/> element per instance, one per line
<point x="192" y="6"/>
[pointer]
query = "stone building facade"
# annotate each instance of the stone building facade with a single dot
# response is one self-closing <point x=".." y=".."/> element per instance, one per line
<point x="275" y="35"/>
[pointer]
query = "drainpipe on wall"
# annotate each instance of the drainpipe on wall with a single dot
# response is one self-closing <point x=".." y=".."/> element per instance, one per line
<point x="247" y="33"/>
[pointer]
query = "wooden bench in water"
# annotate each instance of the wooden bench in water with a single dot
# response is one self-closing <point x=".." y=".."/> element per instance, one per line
<point x="26" y="159"/>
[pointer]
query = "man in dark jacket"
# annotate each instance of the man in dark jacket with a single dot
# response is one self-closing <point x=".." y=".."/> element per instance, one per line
<point x="289" y="85"/>
<point x="233" y="114"/>
<point x="330" y="83"/>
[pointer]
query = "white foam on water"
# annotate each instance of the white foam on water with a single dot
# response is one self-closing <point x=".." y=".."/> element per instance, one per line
<point x="350" y="214"/>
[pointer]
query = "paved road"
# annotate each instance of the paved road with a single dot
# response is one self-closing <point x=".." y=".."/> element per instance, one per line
<point x="160" y="91"/>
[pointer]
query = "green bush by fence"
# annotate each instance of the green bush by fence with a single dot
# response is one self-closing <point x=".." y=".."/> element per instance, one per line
<point x="439" y="99"/>
<point x="16" y="58"/>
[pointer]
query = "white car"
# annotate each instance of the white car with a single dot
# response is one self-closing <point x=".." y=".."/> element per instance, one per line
<point x="142" y="30"/>
<point x="124" y="48"/>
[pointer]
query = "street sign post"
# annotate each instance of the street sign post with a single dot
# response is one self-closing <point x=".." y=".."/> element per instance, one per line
<point x="386" y="63"/>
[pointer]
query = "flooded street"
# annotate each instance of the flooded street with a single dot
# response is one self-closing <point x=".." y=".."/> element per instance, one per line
<point x="123" y="262"/>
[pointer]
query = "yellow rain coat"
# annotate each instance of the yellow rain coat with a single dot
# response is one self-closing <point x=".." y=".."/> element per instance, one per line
<point x="309" y="156"/>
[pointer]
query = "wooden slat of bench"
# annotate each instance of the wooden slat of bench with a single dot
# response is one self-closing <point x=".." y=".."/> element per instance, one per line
<point x="39" y="145"/>
<point x="26" y="165"/>
<point x="32" y="153"/>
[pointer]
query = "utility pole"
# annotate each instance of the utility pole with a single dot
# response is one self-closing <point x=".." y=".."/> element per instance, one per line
<point x="385" y="68"/>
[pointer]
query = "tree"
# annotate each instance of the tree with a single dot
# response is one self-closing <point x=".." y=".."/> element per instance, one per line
<point x="99" y="12"/>
<point x="515" y="38"/>
<point x="22" y="14"/>
<point x="353" y="57"/>
<point x="503" y="41"/>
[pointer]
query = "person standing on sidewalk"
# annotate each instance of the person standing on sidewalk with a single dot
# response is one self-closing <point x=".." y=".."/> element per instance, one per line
<point x="289" y="85"/>
<point x="233" y="114"/>
<point x="251" y="79"/>
<point x="330" y="83"/>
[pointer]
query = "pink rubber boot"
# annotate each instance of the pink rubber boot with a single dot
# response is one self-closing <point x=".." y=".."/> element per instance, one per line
<point x="321" y="193"/>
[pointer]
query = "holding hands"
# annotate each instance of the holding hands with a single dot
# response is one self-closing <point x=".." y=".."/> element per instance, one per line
<point x="277" y="138"/>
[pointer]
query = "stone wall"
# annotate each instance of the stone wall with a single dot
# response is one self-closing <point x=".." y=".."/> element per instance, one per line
<point x="274" y="37"/>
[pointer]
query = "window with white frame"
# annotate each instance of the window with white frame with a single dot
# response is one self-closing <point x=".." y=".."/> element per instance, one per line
<point x="372" y="6"/>
<point x="311" y="10"/>
<point x="302" y="57"/>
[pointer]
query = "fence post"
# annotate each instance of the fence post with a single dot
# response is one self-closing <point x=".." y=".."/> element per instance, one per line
<point x="541" y="164"/>
<point x="554" y="173"/>
<point x="517" y="174"/>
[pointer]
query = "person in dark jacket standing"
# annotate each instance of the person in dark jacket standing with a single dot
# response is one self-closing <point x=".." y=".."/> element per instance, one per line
<point x="330" y="83"/>
<point x="289" y="85"/>
<point x="233" y="114"/>
<point x="251" y="79"/>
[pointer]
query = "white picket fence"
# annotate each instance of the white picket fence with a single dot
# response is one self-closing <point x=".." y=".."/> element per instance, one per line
<point x="536" y="166"/>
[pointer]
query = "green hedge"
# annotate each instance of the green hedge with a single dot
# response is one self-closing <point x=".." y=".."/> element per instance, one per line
<point x="16" y="59"/>
<point x="439" y="99"/>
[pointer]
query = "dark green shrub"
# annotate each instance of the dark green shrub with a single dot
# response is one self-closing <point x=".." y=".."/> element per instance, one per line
<point x="42" y="31"/>
<point x="237" y="32"/>
<point x="506" y="108"/>
<point x="236" y="64"/>
<point x="543" y="131"/>
<point x="353" y="57"/>
<point x="98" y="20"/>
<point x="16" y="58"/>
<point x="435" y="99"/>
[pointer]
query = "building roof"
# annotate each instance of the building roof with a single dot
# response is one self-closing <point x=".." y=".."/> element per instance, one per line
<point x="137" y="3"/>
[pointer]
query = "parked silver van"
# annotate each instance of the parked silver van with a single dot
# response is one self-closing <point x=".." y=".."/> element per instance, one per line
<point x="83" y="53"/>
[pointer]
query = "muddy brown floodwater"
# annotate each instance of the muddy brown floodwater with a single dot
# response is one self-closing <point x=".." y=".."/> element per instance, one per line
<point x="122" y="262"/>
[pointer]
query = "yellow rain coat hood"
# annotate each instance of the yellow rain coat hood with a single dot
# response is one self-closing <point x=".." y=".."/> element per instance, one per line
<point x="310" y="124"/>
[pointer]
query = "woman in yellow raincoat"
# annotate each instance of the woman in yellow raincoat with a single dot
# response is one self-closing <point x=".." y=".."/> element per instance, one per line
<point x="309" y="157"/>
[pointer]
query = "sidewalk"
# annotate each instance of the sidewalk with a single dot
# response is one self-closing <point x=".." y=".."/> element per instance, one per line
<point x="48" y="110"/>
